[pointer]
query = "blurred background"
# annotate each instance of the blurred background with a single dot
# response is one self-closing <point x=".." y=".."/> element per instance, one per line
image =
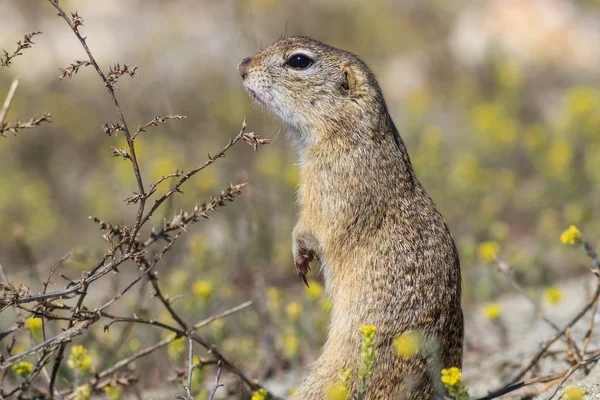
<point x="497" y="100"/>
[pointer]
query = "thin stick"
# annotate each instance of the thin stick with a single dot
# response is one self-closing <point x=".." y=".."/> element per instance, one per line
<point x="188" y="387"/>
<point x="9" y="97"/>
<point x="217" y="384"/>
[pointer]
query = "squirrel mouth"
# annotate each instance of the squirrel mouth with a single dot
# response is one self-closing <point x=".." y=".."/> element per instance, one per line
<point x="256" y="97"/>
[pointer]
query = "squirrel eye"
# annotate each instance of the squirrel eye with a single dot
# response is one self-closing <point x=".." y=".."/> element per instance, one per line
<point x="299" y="61"/>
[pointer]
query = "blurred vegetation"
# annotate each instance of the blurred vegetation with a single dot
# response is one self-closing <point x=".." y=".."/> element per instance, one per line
<point x="509" y="149"/>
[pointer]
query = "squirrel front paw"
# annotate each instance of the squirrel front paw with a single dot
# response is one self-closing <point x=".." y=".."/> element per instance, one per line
<point x="303" y="257"/>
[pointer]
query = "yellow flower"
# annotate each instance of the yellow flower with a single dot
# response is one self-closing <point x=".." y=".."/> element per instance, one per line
<point x="368" y="331"/>
<point x="113" y="392"/>
<point x="82" y="393"/>
<point x="451" y="376"/>
<point x="293" y="311"/>
<point x="35" y="327"/>
<point x="571" y="235"/>
<point x="488" y="250"/>
<point x="452" y="380"/>
<point x="340" y="390"/>
<point x="337" y="392"/>
<point x="290" y="346"/>
<point x="314" y="290"/>
<point x="492" y="311"/>
<point x="23" y="368"/>
<point x="274" y="297"/>
<point x="573" y="393"/>
<point x="203" y="289"/>
<point x="176" y="347"/>
<point x="407" y="344"/>
<point x="366" y="364"/>
<point x="79" y="360"/>
<point x="260" y="394"/>
<point x="326" y="305"/>
<point x="553" y="295"/>
<point x="33" y="323"/>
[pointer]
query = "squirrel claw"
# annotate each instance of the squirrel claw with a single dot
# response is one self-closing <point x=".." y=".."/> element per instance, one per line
<point x="303" y="263"/>
<point x="303" y="279"/>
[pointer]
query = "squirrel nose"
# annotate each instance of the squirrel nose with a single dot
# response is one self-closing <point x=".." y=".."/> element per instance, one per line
<point x="243" y="67"/>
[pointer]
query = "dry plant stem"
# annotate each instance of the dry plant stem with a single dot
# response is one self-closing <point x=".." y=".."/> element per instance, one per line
<point x="182" y="333"/>
<point x="21" y="45"/>
<point x="550" y="342"/>
<point x="188" y="387"/>
<point x="504" y="268"/>
<point x="588" y="334"/>
<point x="217" y="384"/>
<point x="126" y="132"/>
<point x="191" y="173"/>
<point x="123" y="363"/>
<point x="9" y="97"/>
<point x="51" y="343"/>
<point x="19" y="325"/>
<point x="63" y="345"/>
<point x="563" y="376"/>
<point x="99" y="270"/>
<point x="39" y="367"/>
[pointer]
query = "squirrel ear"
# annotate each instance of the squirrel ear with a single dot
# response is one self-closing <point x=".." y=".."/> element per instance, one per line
<point x="352" y="78"/>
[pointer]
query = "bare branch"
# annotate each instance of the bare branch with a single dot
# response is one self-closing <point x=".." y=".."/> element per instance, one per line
<point x="26" y="43"/>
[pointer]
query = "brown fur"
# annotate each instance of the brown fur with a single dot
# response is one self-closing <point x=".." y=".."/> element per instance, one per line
<point x="388" y="256"/>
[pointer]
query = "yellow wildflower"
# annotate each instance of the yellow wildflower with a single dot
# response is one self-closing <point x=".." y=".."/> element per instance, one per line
<point x="367" y="351"/>
<point x="407" y="344"/>
<point x="340" y="390"/>
<point x="326" y="305"/>
<point x="176" y="347"/>
<point x="203" y="289"/>
<point x="337" y="392"/>
<point x="290" y="346"/>
<point x="113" y="392"/>
<point x="571" y="235"/>
<point x="573" y="393"/>
<point x="553" y="295"/>
<point x="82" y="393"/>
<point x="23" y="368"/>
<point x="451" y="376"/>
<point x="492" y="311"/>
<point x="488" y="250"/>
<point x="452" y="380"/>
<point x="293" y="311"/>
<point x="33" y="323"/>
<point x="274" y="296"/>
<point x="79" y="360"/>
<point x="314" y="290"/>
<point x="35" y="327"/>
<point x="260" y="394"/>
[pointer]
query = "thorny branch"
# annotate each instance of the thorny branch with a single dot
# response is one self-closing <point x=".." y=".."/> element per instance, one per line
<point x="26" y="43"/>
<point x="123" y="245"/>
<point x="517" y="382"/>
<point x="75" y="22"/>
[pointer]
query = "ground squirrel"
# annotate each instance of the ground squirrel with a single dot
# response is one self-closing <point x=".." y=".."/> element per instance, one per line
<point x="388" y="257"/>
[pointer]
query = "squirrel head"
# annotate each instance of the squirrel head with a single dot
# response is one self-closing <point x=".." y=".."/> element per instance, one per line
<point x="318" y="91"/>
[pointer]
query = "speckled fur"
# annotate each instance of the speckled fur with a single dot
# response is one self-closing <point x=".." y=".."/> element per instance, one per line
<point x="388" y="256"/>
